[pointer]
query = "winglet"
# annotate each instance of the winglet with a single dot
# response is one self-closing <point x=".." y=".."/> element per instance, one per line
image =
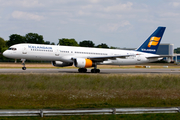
<point x="152" y="43"/>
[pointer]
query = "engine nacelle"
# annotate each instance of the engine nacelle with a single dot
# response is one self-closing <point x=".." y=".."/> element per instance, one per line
<point x="83" y="63"/>
<point x="61" y="64"/>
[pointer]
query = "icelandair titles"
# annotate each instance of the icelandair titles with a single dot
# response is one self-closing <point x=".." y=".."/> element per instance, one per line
<point x="39" y="47"/>
<point x="151" y="50"/>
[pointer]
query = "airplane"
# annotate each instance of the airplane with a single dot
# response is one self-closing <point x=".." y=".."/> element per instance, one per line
<point x="84" y="57"/>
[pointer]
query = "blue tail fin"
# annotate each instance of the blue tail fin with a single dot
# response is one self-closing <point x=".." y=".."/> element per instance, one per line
<point x="152" y="43"/>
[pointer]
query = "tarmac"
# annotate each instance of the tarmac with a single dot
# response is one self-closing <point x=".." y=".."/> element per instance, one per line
<point x="103" y="71"/>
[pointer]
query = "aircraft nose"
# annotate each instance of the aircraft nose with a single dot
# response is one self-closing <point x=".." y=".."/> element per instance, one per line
<point x="5" y="53"/>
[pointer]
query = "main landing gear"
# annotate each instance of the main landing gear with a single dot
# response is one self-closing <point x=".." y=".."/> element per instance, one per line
<point x="84" y="70"/>
<point x="23" y="63"/>
<point x="95" y="70"/>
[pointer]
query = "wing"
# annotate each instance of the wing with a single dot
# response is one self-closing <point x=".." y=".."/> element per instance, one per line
<point x="100" y="59"/>
<point x="156" y="57"/>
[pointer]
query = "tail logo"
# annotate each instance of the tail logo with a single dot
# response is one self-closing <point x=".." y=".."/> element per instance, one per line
<point x="154" y="41"/>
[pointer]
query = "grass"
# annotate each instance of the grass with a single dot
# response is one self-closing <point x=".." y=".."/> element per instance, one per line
<point x="30" y="91"/>
<point x="104" y="117"/>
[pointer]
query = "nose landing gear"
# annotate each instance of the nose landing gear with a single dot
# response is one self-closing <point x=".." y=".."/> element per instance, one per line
<point x="23" y="63"/>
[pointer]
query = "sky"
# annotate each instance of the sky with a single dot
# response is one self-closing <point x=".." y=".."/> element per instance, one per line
<point x="118" y="23"/>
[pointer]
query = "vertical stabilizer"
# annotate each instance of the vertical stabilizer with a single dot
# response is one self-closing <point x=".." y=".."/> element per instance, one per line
<point x="152" y="43"/>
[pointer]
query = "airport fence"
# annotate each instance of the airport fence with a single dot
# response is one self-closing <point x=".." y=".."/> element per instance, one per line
<point x="107" y="111"/>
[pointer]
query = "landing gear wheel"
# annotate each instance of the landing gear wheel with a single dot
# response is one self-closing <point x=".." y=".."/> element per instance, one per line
<point x="23" y="68"/>
<point x="82" y="70"/>
<point x="92" y="70"/>
<point x="95" y="70"/>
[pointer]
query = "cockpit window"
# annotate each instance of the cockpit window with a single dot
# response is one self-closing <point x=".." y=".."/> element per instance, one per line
<point x="12" y="49"/>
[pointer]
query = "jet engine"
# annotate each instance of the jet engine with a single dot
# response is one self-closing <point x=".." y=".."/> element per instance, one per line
<point x="83" y="63"/>
<point x="61" y="64"/>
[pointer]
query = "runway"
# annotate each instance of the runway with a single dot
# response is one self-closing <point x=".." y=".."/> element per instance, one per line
<point x="103" y="71"/>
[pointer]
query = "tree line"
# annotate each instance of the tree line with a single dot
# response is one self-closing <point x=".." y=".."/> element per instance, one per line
<point x="85" y="43"/>
<point x="177" y="50"/>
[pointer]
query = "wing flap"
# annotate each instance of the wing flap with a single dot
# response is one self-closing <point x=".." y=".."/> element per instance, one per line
<point x="103" y="58"/>
<point x="154" y="57"/>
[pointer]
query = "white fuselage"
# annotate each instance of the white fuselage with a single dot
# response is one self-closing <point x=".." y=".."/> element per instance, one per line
<point x="68" y="53"/>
